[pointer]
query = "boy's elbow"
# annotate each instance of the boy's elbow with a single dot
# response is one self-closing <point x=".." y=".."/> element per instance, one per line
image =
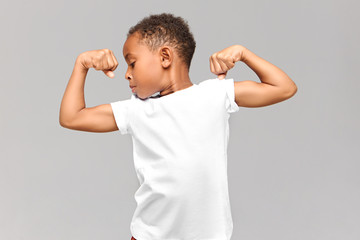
<point x="294" y="89"/>
<point x="62" y="119"/>
<point x="66" y="119"/>
<point x="291" y="91"/>
<point x="63" y="124"/>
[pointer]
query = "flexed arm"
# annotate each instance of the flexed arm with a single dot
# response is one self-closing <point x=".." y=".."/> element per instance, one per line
<point x="73" y="112"/>
<point x="275" y="86"/>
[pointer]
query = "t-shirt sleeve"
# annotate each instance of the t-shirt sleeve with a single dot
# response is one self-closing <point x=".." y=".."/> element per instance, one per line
<point x="121" y="114"/>
<point x="229" y="89"/>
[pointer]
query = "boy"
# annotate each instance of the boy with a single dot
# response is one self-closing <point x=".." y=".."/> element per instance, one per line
<point x="180" y="130"/>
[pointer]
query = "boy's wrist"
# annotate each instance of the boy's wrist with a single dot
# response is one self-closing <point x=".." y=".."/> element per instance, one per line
<point x="242" y="53"/>
<point x="79" y="63"/>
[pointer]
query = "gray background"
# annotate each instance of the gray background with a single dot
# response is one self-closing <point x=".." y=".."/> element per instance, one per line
<point x="293" y="166"/>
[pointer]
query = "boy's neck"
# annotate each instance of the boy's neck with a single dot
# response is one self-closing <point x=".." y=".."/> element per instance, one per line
<point x="178" y="79"/>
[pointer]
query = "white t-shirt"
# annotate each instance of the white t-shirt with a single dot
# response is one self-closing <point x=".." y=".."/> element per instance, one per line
<point x="180" y="156"/>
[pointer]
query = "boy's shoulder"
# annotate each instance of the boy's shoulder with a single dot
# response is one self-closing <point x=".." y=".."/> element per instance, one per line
<point x="218" y="84"/>
<point x="208" y="82"/>
<point x="216" y="81"/>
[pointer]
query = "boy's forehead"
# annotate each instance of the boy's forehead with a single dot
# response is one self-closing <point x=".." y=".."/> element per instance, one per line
<point x="132" y="47"/>
<point x="129" y="47"/>
<point x="126" y="49"/>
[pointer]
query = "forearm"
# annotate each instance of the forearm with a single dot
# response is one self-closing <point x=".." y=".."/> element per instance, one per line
<point x="267" y="72"/>
<point x="73" y="100"/>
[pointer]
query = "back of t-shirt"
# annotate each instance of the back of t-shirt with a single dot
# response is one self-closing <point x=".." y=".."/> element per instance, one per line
<point x="180" y="157"/>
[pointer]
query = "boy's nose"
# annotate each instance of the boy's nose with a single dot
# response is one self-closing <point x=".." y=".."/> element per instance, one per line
<point x="128" y="75"/>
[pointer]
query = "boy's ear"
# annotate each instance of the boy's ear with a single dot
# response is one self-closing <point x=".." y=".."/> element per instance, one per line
<point x="166" y="56"/>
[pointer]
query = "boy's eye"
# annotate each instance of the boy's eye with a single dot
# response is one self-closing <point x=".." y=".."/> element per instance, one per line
<point x="132" y="64"/>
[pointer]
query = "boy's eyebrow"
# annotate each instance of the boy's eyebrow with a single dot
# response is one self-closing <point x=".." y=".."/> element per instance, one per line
<point x="127" y="56"/>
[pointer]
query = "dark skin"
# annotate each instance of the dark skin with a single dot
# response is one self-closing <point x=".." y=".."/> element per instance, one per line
<point x="150" y="72"/>
<point x="163" y="71"/>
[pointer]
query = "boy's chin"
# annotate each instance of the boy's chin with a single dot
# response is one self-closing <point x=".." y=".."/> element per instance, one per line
<point x="144" y="97"/>
<point x="140" y="96"/>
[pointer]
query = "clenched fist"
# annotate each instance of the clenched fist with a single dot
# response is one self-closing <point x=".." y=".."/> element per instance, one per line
<point x="102" y="59"/>
<point x="221" y="62"/>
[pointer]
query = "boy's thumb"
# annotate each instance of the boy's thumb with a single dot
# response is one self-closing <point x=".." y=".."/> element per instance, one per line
<point x="109" y="74"/>
<point x="221" y="76"/>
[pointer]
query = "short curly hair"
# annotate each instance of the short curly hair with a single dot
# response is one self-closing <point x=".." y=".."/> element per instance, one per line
<point x="159" y="29"/>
